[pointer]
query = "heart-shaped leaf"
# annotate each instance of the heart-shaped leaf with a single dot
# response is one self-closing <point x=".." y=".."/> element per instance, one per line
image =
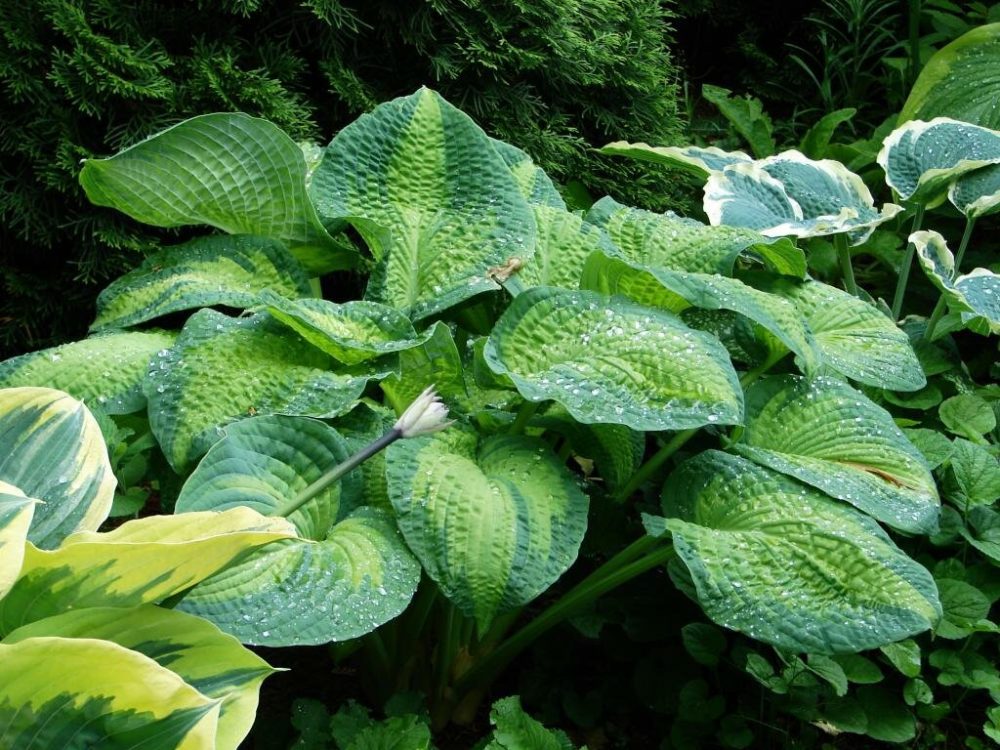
<point x="611" y="360"/>
<point x="977" y="193"/>
<point x="494" y="523"/>
<point x="15" y="519"/>
<point x="694" y="159"/>
<point x="433" y="198"/>
<point x="216" y="270"/>
<point x="825" y="433"/>
<point x="787" y="565"/>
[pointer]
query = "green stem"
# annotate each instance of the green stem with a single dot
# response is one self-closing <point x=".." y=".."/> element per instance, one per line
<point x="524" y="415"/>
<point x="904" y="269"/>
<point x="846" y="269"/>
<point x="942" y="303"/>
<point x="657" y="460"/>
<point x="914" y="34"/>
<point x="380" y="662"/>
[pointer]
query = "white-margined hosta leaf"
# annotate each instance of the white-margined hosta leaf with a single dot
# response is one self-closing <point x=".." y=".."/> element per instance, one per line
<point x="52" y="449"/>
<point x="784" y="563"/>
<point x="977" y="193"/>
<point x="921" y="159"/>
<point x="222" y="369"/>
<point x="105" y="370"/>
<point x="351" y="332"/>
<point x="677" y="291"/>
<point x="304" y="592"/>
<point x="564" y="242"/>
<point x="494" y="522"/>
<point x="612" y="360"/>
<point x="15" y="518"/>
<point x="976" y="295"/>
<point x="536" y="186"/>
<point x="670" y="241"/>
<point x="216" y="270"/>
<point x="234" y="172"/>
<point x="213" y="663"/>
<point x="825" y="433"/>
<point x="422" y="182"/>
<point x="695" y="159"/>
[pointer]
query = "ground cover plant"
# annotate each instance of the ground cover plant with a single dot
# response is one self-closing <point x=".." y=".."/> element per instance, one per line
<point x="630" y="391"/>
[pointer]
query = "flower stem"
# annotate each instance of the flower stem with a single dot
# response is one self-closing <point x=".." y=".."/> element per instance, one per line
<point x="846" y="269"/>
<point x="942" y="302"/>
<point x="904" y="269"/>
<point x="524" y="415"/>
<point x="657" y="460"/>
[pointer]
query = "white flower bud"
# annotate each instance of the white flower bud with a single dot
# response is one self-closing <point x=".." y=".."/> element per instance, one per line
<point x="425" y="415"/>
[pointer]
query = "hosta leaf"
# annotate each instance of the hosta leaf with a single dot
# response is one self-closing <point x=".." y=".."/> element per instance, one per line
<point x="139" y="562"/>
<point x="536" y="186"/>
<point x="301" y="592"/>
<point x="351" y="332"/>
<point x="52" y="449"/>
<point x="362" y="425"/>
<point x="234" y="172"/>
<point x="787" y="565"/>
<point x="670" y="241"/>
<point x="424" y="173"/>
<point x="86" y="693"/>
<point x="611" y="360"/>
<point x="435" y="362"/>
<point x="222" y="369"/>
<point x="494" y="523"/>
<point x="695" y="159"/>
<point x="564" y="242"/>
<point x="921" y="159"/>
<point x="208" y="660"/>
<point x="676" y="291"/>
<point x="975" y="295"/>
<point x="216" y="270"/>
<point x="855" y="338"/>
<point x="15" y="518"/>
<point x="977" y="193"/>
<point x="825" y="433"/>
<point x="104" y="370"/>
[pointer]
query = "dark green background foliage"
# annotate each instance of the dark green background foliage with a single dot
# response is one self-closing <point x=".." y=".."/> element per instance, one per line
<point x="87" y="77"/>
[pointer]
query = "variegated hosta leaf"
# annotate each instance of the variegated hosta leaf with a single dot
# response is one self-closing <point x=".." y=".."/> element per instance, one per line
<point x="977" y="193"/>
<point x="695" y="159"/>
<point x="87" y="693"/>
<point x="921" y="159"/>
<point x="976" y="295"/>
<point x="424" y="173"/>
<point x="222" y="369"/>
<point x="790" y="195"/>
<point x="216" y="270"/>
<point x="207" y="659"/>
<point x="234" y="172"/>
<point x="140" y="562"/>
<point x="105" y="370"/>
<point x="351" y="332"/>
<point x="536" y="186"/>
<point x="494" y="523"/>
<point x="15" y="519"/>
<point x="564" y="242"/>
<point x="678" y="290"/>
<point x="52" y="449"/>
<point x="302" y="592"/>
<point x="435" y="362"/>
<point x="611" y="360"/>
<point x="856" y="339"/>
<point x="784" y="563"/>
<point x="825" y="433"/>
<point x="670" y="241"/>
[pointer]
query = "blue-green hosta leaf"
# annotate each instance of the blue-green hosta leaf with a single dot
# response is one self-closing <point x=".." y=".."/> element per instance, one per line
<point x="670" y="241"/>
<point x="922" y="159"/>
<point x="564" y="242"/>
<point x="351" y="332"/>
<point x="304" y="592"/>
<point x="207" y="659"/>
<point x="788" y="565"/>
<point x="977" y="193"/>
<point x="105" y="370"/>
<point x="425" y="178"/>
<point x="975" y="295"/>
<point x="536" y="186"/>
<point x="222" y="369"/>
<point x="677" y="291"/>
<point x="494" y="523"/>
<point x="88" y="693"/>
<point x="16" y="511"/>
<point x="825" y="433"/>
<point x="611" y="360"/>
<point x="234" y="172"/>
<point x="216" y="270"/>
<point x="52" y="449"/>
<point x="695" y="159"/>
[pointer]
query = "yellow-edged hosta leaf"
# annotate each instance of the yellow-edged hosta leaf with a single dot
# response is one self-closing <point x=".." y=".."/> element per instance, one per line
<point x="536" y="186"/>
<point x="564" y="242"/>
<point x="15" y="518"/>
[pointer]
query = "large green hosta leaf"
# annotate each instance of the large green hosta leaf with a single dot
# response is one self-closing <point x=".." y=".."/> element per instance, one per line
<point x="87" y="693"/>
<point x="825" y="433"/>
<point x="104" y="370"/>
<point x="439" y="206"/>
<point x="216" y="270"/>
<point x="611" y="360"/>
<point x="976" y="295"/>
<point x="208" y="660"/>
<point x="564" y="242"/>
<point x="494" y="523"/>
<point x="139" y="562"/>
<point x="234" y="172"/>
<point x="536" y="186"/>
<point x="788" y="565"/>
<point x="52" y="449"/>
<point x="15" y="519"/>
<point x="222" y="369"/>
<point x="695" y="159"/>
